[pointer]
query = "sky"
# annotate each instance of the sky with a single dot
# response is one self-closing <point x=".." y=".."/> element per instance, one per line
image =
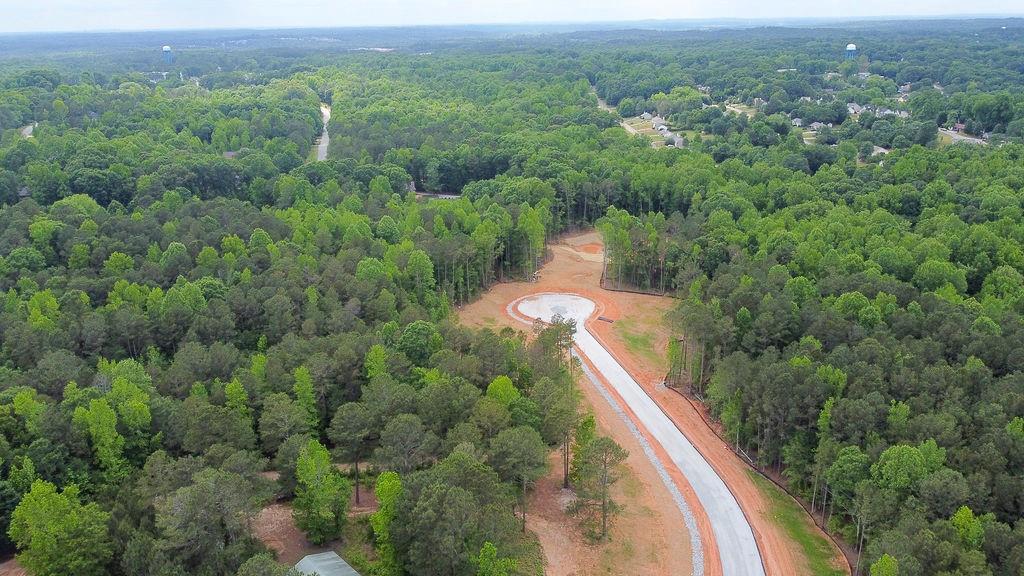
<point x="90" y="15"/>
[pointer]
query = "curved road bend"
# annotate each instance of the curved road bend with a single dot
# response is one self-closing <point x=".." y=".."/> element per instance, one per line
<point x="738" y="551"/>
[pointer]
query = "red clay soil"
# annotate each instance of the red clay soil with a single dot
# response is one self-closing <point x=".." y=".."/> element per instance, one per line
<point x="11" y="568"/>
<point x="663" y="548"/>
<point x="638" y="340"/>
<point x="649" y="536"/>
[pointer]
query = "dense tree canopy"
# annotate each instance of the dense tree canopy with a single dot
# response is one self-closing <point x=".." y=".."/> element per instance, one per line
<point x="188" y="301"/>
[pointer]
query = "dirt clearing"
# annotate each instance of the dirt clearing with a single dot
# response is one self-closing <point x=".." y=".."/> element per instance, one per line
<point x="639" y="344"/>
<point x="275" y="527"/>
<point x="650" y="536"/>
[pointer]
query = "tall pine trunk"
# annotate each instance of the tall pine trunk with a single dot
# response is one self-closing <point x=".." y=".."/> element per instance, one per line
<point x="357" y="482"/>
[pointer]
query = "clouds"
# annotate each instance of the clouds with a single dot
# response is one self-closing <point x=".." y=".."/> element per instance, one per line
<point x="67" y="15"/>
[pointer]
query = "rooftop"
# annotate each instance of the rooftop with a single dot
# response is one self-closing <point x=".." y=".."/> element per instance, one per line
<point x="325" y="564"/>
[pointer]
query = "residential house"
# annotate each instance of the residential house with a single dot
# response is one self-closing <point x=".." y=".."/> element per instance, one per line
<point x="798" y="122"/>
<point x="891" y="112"/>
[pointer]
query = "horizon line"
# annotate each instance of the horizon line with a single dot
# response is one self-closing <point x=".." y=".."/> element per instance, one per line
<point x="778" y="21"/>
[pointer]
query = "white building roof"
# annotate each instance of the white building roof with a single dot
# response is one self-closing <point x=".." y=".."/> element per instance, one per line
<point x="325" y="564"/>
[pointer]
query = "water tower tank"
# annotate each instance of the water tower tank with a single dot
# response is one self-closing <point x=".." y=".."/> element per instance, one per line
<point x="851" y="51"/>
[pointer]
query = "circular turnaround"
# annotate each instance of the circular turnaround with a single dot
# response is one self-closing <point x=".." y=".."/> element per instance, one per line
<point x="738" y="550"/>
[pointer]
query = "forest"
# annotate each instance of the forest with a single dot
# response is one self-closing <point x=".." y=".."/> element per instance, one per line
<point x="198" y="319"/>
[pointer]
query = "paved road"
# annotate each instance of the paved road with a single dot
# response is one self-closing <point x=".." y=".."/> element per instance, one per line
<point x="325" y="139"/>
<point x="958" y="137"/>
<point x="608" y="108"/>
<point x="737" y="548"/>
<point x="438" y="195"/>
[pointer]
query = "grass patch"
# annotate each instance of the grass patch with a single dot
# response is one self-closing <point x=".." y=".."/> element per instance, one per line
<point x="631" y="485"/>
<point x="615" y="554"/>
<point x="358" y="547"/>
<point x="743" y="108"/>
<point x="793" y="519"/>
<point x="529" y="556"/>
<point x="645" y="129"/>
<point x="945" y="139"/>
<point x="637" y="341"/>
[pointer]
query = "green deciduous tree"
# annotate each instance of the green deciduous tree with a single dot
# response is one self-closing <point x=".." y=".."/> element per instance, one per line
<point x="503" y="390"/>
<point x="885" y="566"/>
<point x="57" y="535"/>
<point x="419" y="340"/>
<point x="321" y="496"/>
<point x="489" y="564"/>
<point x="100" y="421"/>
<point x="305" y="397"/>
<point x="388" y="490"/>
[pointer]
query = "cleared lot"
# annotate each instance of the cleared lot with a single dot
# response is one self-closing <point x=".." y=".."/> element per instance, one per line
<point x="738" y="550"/>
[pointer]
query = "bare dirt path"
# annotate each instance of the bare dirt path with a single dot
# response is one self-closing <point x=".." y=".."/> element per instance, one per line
<point x="638" y="339"/>
<point x="12" y="568"/>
